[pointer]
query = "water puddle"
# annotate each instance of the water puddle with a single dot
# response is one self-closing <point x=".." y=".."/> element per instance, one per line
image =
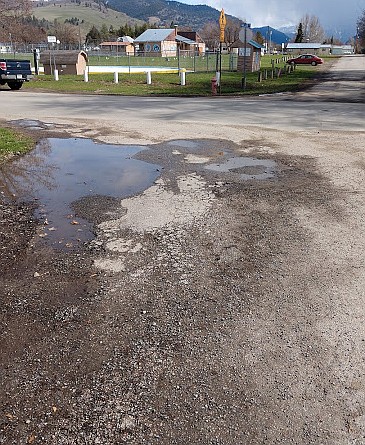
<point x="31" y="124"/>
<point x="247" y="167"/>
<point x="61" y="171"/>
<point x="183" y="143"/>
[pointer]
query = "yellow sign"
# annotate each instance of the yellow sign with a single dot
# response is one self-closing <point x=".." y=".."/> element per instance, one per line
<point x="222" y="25"/>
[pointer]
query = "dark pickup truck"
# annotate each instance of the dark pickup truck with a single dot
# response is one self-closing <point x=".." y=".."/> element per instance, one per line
<point x="14" y="72"/>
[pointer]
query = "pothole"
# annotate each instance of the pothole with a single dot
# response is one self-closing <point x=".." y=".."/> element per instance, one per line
<point x="59" y="172"/>
<point x="247" y="167"/>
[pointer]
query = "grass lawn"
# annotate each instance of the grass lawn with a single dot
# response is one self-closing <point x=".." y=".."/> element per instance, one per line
<point x="13" y="142"/>
<point x="197" y="84"/>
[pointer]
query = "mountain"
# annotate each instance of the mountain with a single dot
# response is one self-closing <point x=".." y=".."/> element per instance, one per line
<point x="87" y="14"/>
<point x="290" y="31"/>
<point x="343" y="34"/>
<point x="274" y="35"/>
<point x="166" y="12"/>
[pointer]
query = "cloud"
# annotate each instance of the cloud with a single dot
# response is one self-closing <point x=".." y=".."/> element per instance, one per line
<point x="277" y="13"/>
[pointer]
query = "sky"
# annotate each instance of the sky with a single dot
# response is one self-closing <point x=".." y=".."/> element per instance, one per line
<point x="332" y="14"/>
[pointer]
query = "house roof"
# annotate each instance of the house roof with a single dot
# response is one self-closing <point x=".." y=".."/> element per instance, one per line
<point x="305" y="45"/>
<point x="328" y="45"/>
<point x="115" y="44"/>
<point x="125" y="39"/>
<point x="239" y="44"/>
<point x="185" y="40"/>
<point x="62" y="57"/>
<point x="255" y="44"/>
<point x="155" y="35"/>
<point x="193" y="35"/>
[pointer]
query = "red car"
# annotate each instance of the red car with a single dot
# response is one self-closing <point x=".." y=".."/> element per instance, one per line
<point x="305" y="59"/>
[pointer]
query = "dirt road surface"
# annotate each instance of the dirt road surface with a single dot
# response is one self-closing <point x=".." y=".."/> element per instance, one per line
<point x="224" y="304"/>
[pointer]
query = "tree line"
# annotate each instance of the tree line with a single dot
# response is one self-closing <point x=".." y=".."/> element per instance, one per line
<point x="18" y="25"/>
<point x="96" y="36"/>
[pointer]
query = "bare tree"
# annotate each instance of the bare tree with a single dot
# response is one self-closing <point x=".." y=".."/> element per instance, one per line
<point x="360" y="35"/>
<point x="210" y="35"/>
<point x="12" y="13"/>
<point x="31" y="34"/>
<point x="232" y="31"/>
<point x="67" y="34"/>
<point x="312" y="29"/>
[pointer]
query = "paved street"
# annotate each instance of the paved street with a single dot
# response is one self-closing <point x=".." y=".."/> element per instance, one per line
<point x="223" y="304"/>
<point x="336" y="103"/>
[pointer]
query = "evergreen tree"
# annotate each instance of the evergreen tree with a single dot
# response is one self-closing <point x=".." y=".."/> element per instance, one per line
<point x="93" y="36"/>
<point x="259" y="38"/>
<point x="299" y="36"/>
<point x="104" y="31"/>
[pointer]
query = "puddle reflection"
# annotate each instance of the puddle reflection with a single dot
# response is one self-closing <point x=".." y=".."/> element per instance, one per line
<point x="247" y="167"/>
<point x="61" y="171"/>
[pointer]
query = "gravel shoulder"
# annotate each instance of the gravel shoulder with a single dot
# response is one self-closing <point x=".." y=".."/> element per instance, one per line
<point x="210" y="309"/>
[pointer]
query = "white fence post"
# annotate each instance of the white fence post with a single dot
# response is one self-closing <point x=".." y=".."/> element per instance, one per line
<point x="116" y="78"/>
<point x="183" y="77"/>
<point x="149" y="77"/>
<point x="86" y="75"/>
<point x="218" y="77"/>
<point x="55" y="74"/>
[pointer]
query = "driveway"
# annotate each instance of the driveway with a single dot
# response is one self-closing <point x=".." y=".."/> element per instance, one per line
<point x="223" y="304"/>
<point x="344" y="83"/>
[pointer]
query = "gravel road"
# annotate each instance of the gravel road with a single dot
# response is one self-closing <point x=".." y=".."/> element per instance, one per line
<point x="223" y="305"/>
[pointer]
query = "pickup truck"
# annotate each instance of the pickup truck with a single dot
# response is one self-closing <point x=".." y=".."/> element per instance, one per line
<point x="14" y="72"/>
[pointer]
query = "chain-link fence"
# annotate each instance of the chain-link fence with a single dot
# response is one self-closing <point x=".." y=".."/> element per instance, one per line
<point x="189" y="60"/>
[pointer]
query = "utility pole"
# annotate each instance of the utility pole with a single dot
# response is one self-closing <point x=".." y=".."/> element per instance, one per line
<point x="222" y="26"/>
<point x="11" y="44"/>
<point x="247" y="35"/>
<point x="78" y="26"/>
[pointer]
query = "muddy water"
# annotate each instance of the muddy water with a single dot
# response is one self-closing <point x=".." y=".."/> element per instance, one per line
<point x="247" y="167"/>
<point x="61" y="171"/>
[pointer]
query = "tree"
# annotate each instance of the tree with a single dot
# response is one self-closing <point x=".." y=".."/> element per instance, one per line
<point x="104" y="31"/>
<point x="67" y="34"/>
<point x="93" y="36"/>
<point x="30" y="33"/>
<point x="12" y="13"/>
<point x="299" y="36"/>
<point x="312" y="29"/>
<point x="259" y="38"/>
<point x="232" y="30"/>
<point x="360" y="36"/>
<point x="210" y="35"/>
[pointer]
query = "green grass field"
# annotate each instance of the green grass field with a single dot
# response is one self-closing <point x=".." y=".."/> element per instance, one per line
<point x="197" y="84"/>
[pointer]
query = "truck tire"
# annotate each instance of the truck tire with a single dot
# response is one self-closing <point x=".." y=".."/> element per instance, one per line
<point x="15" y="85"/>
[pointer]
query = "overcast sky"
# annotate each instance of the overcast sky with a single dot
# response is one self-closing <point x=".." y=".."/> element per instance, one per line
<point x="276" y="13"/>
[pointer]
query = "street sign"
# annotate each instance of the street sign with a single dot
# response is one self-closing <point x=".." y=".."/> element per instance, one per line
<point x="222" y="26"/>
<point x="51" y="39"/>
<point x="249" y="34"/>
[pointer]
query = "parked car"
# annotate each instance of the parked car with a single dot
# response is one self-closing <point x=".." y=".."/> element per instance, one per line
<point x="305" y="59"/>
